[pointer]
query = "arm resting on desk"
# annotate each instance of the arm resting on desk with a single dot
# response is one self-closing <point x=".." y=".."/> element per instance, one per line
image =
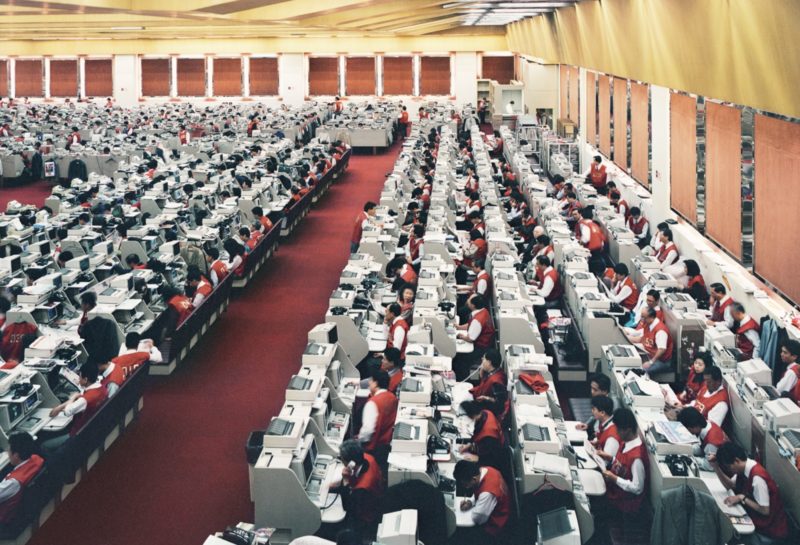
<point x="483" y="508"/>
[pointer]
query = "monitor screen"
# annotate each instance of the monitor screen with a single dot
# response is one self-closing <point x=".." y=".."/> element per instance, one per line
<point x="308" y="465"/>
<point x="16" y="263"/>
<point x="84" y="264"/>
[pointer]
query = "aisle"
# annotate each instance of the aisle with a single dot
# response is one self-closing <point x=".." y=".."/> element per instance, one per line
<point x="180" y="472"/>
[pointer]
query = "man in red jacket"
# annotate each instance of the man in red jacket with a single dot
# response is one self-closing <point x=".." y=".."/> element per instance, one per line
<point x="361" y="488"/>
<point x="711" y="436"/>
<point x="26" y="466"/>
<point x="377" y="419"/>
<point x="490" y="507"/>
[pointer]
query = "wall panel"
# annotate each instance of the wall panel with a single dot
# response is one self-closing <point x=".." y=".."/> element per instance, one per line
<point x="360" y="76"/>
<point x="563" y="89"/>
<point x="263" y="76"/>
<point x="323" y="76"/>
<point x="574" y="95"/>
<point x="99" y="78"/>
<point x="591" y="108"/>
<point x="64" y="78"/>
<point x="28" y="78"/>
<point x="398" y="76"/>
<point x="156" y="75"/>
<point x="724" y="176"/>
<point x="227" y="77"/>
<point x="498" y="68"/>
<point x="434" y="76"/>
<point x="191" y="77"/>
<point x="640" y="133"/>
<point x="604" y="113"/>
<point x="683" y="155"/>
<point x="621" y="123"/>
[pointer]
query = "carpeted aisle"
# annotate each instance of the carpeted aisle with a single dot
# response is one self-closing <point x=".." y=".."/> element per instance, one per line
<point x="180" y="473"/>
<point x="32" y="193"/>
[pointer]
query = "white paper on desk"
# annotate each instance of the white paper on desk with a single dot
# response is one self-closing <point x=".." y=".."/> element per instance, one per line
<point x="408" y="462"/>
<point x="675" y="432"/>
<point x="730" y="510"/>
<point x="463" y="518"/>
<point x="591" y="451"/>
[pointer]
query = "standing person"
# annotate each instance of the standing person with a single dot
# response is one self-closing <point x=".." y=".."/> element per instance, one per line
<point x="402" y="123"/>
<point x="361" y="488"/>
<point x="597" y="175"/>
<point x="365" y="218"/>
<point x="747" y="331"/>
<point x="755" y="490"/>
<point x="377" y="421"/>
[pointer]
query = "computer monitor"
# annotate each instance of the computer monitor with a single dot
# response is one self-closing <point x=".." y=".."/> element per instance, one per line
<point x="398" y="528"/>
<point x="308" y="465"/>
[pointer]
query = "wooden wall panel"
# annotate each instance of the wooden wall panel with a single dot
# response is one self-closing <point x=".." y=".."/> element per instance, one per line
<point x="640" y="133"/>
<point x="360" y="76"/>
<point x="498" y="68"/>
<point x="191" y="77"/>
<point x="156" y="76"/>
<point x="28" y="78"/>
<point x="591" y="108"/>
<point x="3" y="78"/>
<point x="99" y="78"/>
<point x="398" y="76"/>
<point x="434" y="76"/>
<point x="604" y="113"/>
<point x="574" y="95"/>
<point x="621" y="123"/>
<point x="724" y="176"/>
<point x="323" y="76"/>
<point x="227" y="77"/>
<point x="563" y="89"/>
<point x="64" y="78"/>
<point x="683" y="155"/>
<point x="264" y="76"/>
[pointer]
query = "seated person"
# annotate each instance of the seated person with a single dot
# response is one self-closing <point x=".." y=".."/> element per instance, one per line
<point x="623" y="291"/>
<point x="619" y="204"/>
<point x="415" y="248"/>
<point x="656" y="340"/>
<point x="625" y="479"/>
<point x="755" y="490"/>
<point x="549" y="284"/>
<point x="361" y="488"/>
<point x="217" y="269"/>
<point x="491" y="507"/>
<point x="26" y="465"/>
<point x="487" y="443"/>
<point x="747" y="331"/>
<point x="479" y="330"/>
<point x="405" y="298"/>
<point x="477" y="248"/>
<point x="667" y="253"/>
<point x="720" y="303"/>
<point x="606" y="437"/>
<point x="639" y="226"/>
<point x="710" y="434"/>
<point x="712" y="400"/>
<point x="696" y="378"/>
<point x="695" y="283"/>
<point x="588" y="232"/>
<point x="596" y="175"/>
<point x="200" y="284"/>
<point x="178" y="305"/>
<point x="492" y="388"/>
<point x="789" y="384"/>
<point x="599" y="385"/>
<point x="133" y="262"/>
<point x="264" y="222"/>
<point x="111" y="376"/>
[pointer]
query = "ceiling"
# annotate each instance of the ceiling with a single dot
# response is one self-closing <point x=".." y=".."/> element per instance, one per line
<point x="181" y="19"/>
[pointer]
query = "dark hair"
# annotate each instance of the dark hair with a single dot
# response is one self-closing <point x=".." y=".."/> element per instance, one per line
<point x="478" y="301"/>
<point x="692" y="268"/>
<point x="625" y="420"/>
<point x="132" y="339"/>
<point x="89" y="298"/>
<point x="603" y="404"/>
<point x="192" y="274"/>
<point x="667" y="233"/>
<point x="133" y="258"/>
<point x="471" y="408"/>
<point x="89" y="372"/>
<point x="621" y="268"/>
<point x="257" y="211"/>
<point x="598" y="158"/>
<point x="737" y="307"/>
<point x="655" y="294"/>
<point x="351" y="451"/>
<point x="719" y="288"/>
<point x="348" y="537"/>
<point x="393" y="355"/>
<point x="22" y="443"/>
<point x="419" y="230"/>
<point x="5" y="305"/>
<point x="691" y="418"/>
<point x="714" y="372"/>
<point x="729" y="453"/>
<point x="213" y="253"/>
<point x="65" y="256"/>
<point x="636" y="211"/>
<point x="369" y="205"/>
<point x="381" y="377"/>
<point x="602" y="381"/>
<point x="587" y="213"/>
<point x="494" y="357"/>
<point x="465" y="470"/>
<point x="543" y="260"/>
<point x="394" y="308"/>
<point x="792" y="346"/>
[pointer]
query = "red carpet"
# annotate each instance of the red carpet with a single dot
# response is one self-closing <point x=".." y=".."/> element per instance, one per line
<point x="180" y="473"/>
<point x="32" y="193"/>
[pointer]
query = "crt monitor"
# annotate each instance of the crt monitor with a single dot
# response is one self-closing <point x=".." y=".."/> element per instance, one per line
<point x="308" y="464"/>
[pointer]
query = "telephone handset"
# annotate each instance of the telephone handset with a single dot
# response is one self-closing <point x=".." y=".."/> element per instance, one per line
<point x="237" y="536"/>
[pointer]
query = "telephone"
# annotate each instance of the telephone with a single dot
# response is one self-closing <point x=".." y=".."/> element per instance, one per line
<point x="440" y="398"/>
<point x="238" y="536"/>
<point x="339" y="311"/>
<point x="437" y="445"/>
<point x="678" y="464"/>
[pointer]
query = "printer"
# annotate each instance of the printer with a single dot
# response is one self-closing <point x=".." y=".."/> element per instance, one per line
<point x="415" y="390"/>
<point x="755" y="369"/>
<point x="780" y="413"/>
<point x="643" y="392"/>
<point x="410" y="436"/>
<point x="622" y="356"/>
<point x="538" y="435"/>
<point x="398" y="528"/>
<point x="680" y="302"/>
<point x="719" y="334"/>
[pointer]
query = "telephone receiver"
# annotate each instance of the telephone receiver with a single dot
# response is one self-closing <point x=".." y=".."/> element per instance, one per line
<point x="237" y="536"/>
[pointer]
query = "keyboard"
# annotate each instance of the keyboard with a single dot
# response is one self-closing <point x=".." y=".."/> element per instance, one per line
<point x="405" y="432"/>
<point x="532" y="432"/>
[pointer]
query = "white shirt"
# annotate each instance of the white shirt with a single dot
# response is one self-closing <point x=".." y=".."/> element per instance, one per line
<point x="234" y="264"/>
<point x="369" y="419"/>
<point x="586" y="233"/>
<point x="788" y="381"/>
<point x="212" y="274"/>
<point x="645" y="231"/>
<point x="670" y="258"/>
<point x="481" y="286"/>
<point x="752" y="335"/>
<point x="709" y="448"/>
<point x="546" y="251"/>
<point x="760" y="488"/>
<point x="111" y="387"/>
<point x="484" y="505"/>
<point x="621" y="292"/>
<point x="661" y="337"/>
<point x="80" y="404"/>
<point x="611" y="446"/>
<point x="399" y="334"/>
<point x="634" y="485"/>
<point x="475" y="327"/>
<point x="719" y="412"/>
<point x="10" y="487"/>
<point x="155" y="353"/>
<point x="727" y="318"/>
<point x="547" y="283"/>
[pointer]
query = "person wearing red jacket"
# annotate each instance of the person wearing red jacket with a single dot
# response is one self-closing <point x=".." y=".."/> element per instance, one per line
<point x="711" y="436"/>
<point x="789" y="384"/>
<point x="755" y="490"/>
<point x="606" y="435"/>
<point x="626" y="478"/>
<point x="377" y="420"/>
<point x="492" y="388"/>
<point x="361" y="488"/>
<point x="490" y="506"/>
<point x="487" y="443"/>
<point x="26" y="465"/>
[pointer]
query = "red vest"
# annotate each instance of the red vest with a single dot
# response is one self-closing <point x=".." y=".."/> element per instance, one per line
<point x="395" y="380"/>
<point x="266" y="223"/>
<point x="622" y="466"/>
<point x="490" y="428"/>
<point x="608" y="431"/>
<point x="744" y="344"/>
<point x="131" y="361"/>
<point x="692" y="388"/>
<point x="23" y="474"/>
<point x="483" y="275"/>
<point x="386" y="402"/>
<point x="795" y="393"/>
<point x="371" y="481"/>
<point x="486" y="336"/>
<point x="494" y="484"/>
<point x="715" y="436"/>
<point x="414" y="244"/>
<point x="775" y="525"/>
<point x="408" y="275"/>
<point x="480" y="253"/>
<point x="485" y="387"/>
<point x="183" y="306"/>
<point x="696" y="280"/>
<point x="629" y="302"/>
<point x="637" y="226"/>
<point x="649" y="342"/>
<point x="221" y="270"/>
<point x="402" y="324"/>
<point x="404" y="117"/>
<point x="596" y="237"/>
<point x="94" y="400"/>
<point x="11" y="345"/>
<point x="704" y="402"/>
<point x="184" y="137"/>
<point x="116" y="376"/>
<point x="665" y="250"/>
<point x="557" y="291"/>
<point x="622" y="204"/>
<point x="718" y="309"/>
<point x="597" y="175"/>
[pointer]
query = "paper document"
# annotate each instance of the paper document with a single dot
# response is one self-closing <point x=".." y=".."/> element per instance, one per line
<point x="675" y="432"/>
<point x="591" y="452"/>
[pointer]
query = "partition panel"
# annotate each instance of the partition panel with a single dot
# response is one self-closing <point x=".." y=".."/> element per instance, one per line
<point x="723" y="176"/>
<point x="398" y="76"/>
<point x="683" y="155"/>
<point x="191" y="77"/>
<point x="99" y="79"/>
<point x="591" y="108"/>
<point x="498" y="68"/>
<point x="64" y="78"/>
<point x="3" y="77"/>
<point x="156" y="76"/>
<point x="621" y="123"/>
<point x="28" y="78"/>
<point x="604" y="113"/>
<point x="323" y="76"/>
<point x="227" y="77"/>
<point x="777" y="192"/>
<point x="640" y="133"/>
<point x="360" y="76"/>
<point x="434" y="76"/>
<point x="263" y="76"/>
<point x="574" y="95"/>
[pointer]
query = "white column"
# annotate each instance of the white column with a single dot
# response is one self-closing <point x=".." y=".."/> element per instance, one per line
<point x="46" y="64"/>
<point x="660" y="137"/>
<point x="209" y="76"/>
<point x="465" y="77"/>
<point x="379" y="75"/>
<point x="415" y="70"/>
<point x="12" y="77"/>
<point x="126" y="77"/>
<point x="292" y="78"/>
<point x="173" y="76"/>
<point x="342" y="75"/>
<point x="246" y="75"/>
<point x="82" y="77"/>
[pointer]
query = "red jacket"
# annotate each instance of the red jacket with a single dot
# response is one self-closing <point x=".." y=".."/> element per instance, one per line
<point x="371" y="481"/>
<point x="494" y="484"/>
<point x="649" y="342"/>
<point x="718" y="309"/>
<point x="11" y="344"/>
<point x="130" y="362"/>
<point x="596" y="236"/>
<point x="395" y="380"/>
<point x="95" y="398"/>
<point x="486" y="336"/>
<point x="744" y="344"/>
<point x="705" y="402"/>
<point x="629" y="303"/>
<point x="622" y="466"/>
<point x="402" y="324"/>
<point x="775" y="525"/>
<point x="183" y="306"/>
<point x="23" y="474"/>
<point x="386" y="402"/>
<point x="795" y="393"/>
<point x="607" y="432"/>
<point x="597" y="175"/>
